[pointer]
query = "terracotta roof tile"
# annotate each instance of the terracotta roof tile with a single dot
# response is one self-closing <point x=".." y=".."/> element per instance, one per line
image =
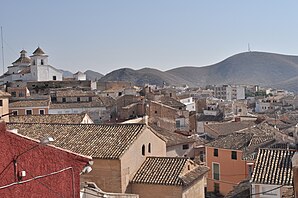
<point x="167" y="171"/>
<point x="29" y="103"/>
<point x="222" y="129"/>
<point x="99" y="141"/>
<point x="50" y="118"/>
<point x="171" y="138"/>
<point x="273" y="166"/>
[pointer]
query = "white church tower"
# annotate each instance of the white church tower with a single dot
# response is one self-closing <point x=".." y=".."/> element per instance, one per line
<point x="41" y="70"/>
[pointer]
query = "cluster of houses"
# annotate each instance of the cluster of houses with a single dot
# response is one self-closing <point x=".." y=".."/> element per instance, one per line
<point x="72" y="137"/>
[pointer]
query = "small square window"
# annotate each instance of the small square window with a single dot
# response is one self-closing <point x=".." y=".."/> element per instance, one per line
<point x="29" y="112"/>
<point x="234" y="155"/>
<point x="185" y="146"/>
<point x="63" y="99"/>
<point x="78" y="99"/>
<point x="54" y="77"/>
<point x="155" y="112"/>
<point x="15" y="112"/>
<point x="41" y="111"/>
<point x="215" y="152"/>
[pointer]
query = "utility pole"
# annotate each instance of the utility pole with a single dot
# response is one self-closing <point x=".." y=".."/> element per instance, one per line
<point x="2" y="49"/>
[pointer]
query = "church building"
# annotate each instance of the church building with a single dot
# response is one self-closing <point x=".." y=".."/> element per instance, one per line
<point x="33" y="68"/>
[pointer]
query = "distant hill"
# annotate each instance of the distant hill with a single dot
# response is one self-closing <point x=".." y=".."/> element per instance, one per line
<point x="66" y="74"/>
<point x="143" y="76"/>
<point x="244" y="68"/>
<point x="92" y="75"/>
<point x="265" y="69"/>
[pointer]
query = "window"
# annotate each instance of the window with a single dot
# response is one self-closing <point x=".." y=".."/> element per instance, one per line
<point x="215" y="171"/>
<point x="155" y="112"/>
<point x="54" y="77"/>
<point x="33" y="62"/>
<point x="215" y="152"/>
<point x="185" y="146"/>
<point x="13" y="94"/>
<point x="63" y="99"/>
<point x="78" y="99"/>
<point x="149" y="148"/>
<point x="15" y="112"/>
<point x="28" y="112"/>
<point x="41" y="62"/>
<point x="234" y="155"/>
<point x="41" y="111"/>
<point x="21" y="94"/>
<point x="143" y="150"/>
<point x="177" y="123"/>
<point x="1" y="103"/>
<point x="90" y="99"/>
<point x="216" y="187"/>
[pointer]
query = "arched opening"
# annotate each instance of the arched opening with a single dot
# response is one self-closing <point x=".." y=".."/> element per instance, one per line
<point x="143" y="150"/>
<point x="149" y="148"/>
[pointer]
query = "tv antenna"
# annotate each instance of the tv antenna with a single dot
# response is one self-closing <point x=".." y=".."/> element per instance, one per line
<point x="248" y="48"/>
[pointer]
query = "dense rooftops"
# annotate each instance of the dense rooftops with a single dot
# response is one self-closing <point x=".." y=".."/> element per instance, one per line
<point x="99" y="141"/>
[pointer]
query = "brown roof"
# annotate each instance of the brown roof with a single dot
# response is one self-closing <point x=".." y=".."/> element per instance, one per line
<point x="273" y="166"/>
<point x="74" y="93"/>
<point x="50" y="118"/>
<point x="234" y="141"/>
<point x="166" y="100"/>
<point x="38" y="51"/>
<point x="99" y="141"/>
<point x="222" y="129"/>
<point x="22" y="59"/>
<point x="171" y="138"/>
<point x="29" y="103"/>
<point x="4" y="94"/>
<point x="167" y="171"/>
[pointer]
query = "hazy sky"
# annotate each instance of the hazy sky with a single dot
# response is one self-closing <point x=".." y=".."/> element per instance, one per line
<point x="107" y="35"/>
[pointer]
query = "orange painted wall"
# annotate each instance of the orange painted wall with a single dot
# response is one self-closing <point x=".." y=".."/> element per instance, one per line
<point x="231" y="171"/>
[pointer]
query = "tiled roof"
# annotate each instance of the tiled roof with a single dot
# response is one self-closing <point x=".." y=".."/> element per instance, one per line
<point x="92" y="104"/>
<point x="234" y="141"/>
<point x="273" y="166"/>
<point x="166" y="100"/>
<point x="22" y="59"/>
<point x="171" y="138"/>
<point x="74" y="93"/>
<point x="29" y="103"/>
<point x="4" y="94"/>
<point x="167" y="171"/>
<point x="99" y="141"/>
<point x="38" y="51"/>
<point x="222" y="129"/>
<point x="203" y="117"/>
<point x="194" y="174"/>
<point x="241" y="190"/>
<point x="50" y="118"/>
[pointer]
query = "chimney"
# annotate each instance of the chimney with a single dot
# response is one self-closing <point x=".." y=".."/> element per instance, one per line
<point x="146" y="119"/>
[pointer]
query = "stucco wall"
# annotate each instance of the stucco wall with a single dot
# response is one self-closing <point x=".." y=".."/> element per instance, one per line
<point x="106" y="174"/>
<point x="38" y="161"/>
<point x="157" y="191"/>
<point x="132" y="160"/>
<point x="195" y="190"/>
<point x="231" y="171"/>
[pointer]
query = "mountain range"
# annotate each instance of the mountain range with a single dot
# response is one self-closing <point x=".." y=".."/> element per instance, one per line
<point x="257" y="68"/>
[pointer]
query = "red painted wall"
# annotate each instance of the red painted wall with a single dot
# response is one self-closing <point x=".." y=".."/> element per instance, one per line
<point x="41" y="160"/>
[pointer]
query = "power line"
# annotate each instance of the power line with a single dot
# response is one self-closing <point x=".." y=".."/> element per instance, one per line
<point x="34" y="178"/>
<point x="44" y="184"/>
